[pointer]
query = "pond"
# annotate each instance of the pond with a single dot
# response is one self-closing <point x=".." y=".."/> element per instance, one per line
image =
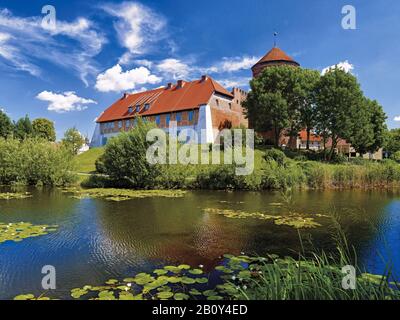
<point x="98" y="239"/>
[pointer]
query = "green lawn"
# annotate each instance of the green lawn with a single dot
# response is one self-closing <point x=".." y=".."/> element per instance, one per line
<point x="86" y="161"/>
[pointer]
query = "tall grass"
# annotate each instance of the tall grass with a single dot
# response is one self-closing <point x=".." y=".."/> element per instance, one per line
<point x="318" y="276"/>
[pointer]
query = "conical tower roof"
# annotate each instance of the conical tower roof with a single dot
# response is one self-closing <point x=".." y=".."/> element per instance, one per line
<point x="274" y="57"/>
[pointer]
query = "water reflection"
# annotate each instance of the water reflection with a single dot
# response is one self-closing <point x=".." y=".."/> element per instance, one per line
<point x="98" y="240"/>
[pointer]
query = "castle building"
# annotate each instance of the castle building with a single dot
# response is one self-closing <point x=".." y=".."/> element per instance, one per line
<point x="202" y="105"/>
<point x="275" y="57"/>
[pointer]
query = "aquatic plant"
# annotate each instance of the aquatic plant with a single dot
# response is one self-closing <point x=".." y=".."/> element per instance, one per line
<point x="14" y="195"/>
<point x="122" y="194"/>
<point x="18" y="231"/>
<point x="294" y="220"/>
<point x="243" y="277"/>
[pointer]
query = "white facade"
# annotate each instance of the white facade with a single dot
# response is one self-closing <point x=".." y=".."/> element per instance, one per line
<point x="203" y="128"/>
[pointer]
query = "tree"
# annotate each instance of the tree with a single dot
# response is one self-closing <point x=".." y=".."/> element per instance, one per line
<point x="23" y="128"/>
<point x="44" y="128"/>
<point x="124" y="159"/>
<point x="6" y="126"/>
<point x="307" y="105"/>
<point x="73" y="140"/>
<point x="279" y="98"/>
<point x="338" y="97"/>
<point x="393" y="141"/>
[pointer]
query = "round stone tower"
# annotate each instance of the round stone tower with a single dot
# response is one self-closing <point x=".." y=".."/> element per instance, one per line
<point x="275" y="57"/>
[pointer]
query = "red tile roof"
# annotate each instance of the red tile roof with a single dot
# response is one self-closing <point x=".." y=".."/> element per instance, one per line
<point x="276" y="54"/>
<point x="164" y="100"/>
<point x="313" y="137"/>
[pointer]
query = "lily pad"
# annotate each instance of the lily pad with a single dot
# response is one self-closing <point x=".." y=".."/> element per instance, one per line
<point x="18" y="231"/>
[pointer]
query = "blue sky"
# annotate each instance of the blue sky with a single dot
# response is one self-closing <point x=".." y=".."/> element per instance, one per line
<point x="99" y="50"/>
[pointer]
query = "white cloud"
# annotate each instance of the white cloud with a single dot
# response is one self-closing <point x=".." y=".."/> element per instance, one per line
<point x="114" y="79"/>
<point x="174" y="68"/>
<point x="64" y="102"/>
<point x="237" y="63"/>
<point x="71" y="45"/>
<point x="235" y="82"/>
<point x="344" y="65"/>
<point x="397" y="118"/>
<point x="138" y="27"/>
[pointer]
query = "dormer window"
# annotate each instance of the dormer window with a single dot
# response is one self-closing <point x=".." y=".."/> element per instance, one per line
<point x="138" y="108"/>
<point x="130" y="109"/>
<point x="146" y="106"/>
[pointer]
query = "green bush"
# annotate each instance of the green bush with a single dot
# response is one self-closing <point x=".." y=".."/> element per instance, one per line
<point x="396" y="156"/>
<point x="35" y="161"/>
<point x="124" y="159"/>
<point x="220" y="177"/>
<point x="275" y="155"/>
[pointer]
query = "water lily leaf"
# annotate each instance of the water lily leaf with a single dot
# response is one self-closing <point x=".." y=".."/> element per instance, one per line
<point x="165" y="295"/>
<point x="184" y="267"/>
<point x="24" y="297"/>
<point x="214" y="298"/>
<point x="209" y="293"/>
<point x="187" y="280"/>
<point x="201" y="280"/>
<point x="112" y="281"/>
<point x="196" y="271"/>
<point x="172" y="269"/>
<point x="160" y="272"/>
<point x="174" y="279"/>
<point x="195" y="292"/>
<point x="181" y="296"/>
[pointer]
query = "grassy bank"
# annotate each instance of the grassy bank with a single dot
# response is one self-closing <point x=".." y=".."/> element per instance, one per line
<point x="272" y="171"/>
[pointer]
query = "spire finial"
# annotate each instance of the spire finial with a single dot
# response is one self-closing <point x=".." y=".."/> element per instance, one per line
<point x="275" y="36"/>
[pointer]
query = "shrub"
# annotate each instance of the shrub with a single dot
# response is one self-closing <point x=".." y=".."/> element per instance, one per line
<point x="35" y="161"/>
<point x="275" y="155"/>
<point x="221" y="177"/>
<point x="125" y="162"/>
<point x="396" y="156"/>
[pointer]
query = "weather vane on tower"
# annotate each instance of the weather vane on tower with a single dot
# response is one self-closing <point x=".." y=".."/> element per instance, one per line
<point x="275" y="36"/>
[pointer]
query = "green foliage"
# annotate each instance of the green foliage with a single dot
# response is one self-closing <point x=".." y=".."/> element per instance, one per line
<point x="393" y="141"/>
<point x="275" y="155"/>
<point x="33" y="162"/>
<point x="282" y="97"/>
<point x="222" y="177"/>
<point x="396" y="156"/>
<point x="73" y="140"/>
<point x="339" y="101"/>
<point x="124" y="159"/>
<point x="23" y="128"/>
<point x="369" y="129"/>
<point x="6" y="126"/>
<point x="44" y="129"/>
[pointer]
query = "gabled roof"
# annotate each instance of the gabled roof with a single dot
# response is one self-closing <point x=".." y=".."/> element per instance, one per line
<point x="166" y="99"/>
<point x="276" y="55"/>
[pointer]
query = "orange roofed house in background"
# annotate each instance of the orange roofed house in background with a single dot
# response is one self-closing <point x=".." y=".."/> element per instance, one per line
<point x="202" y="105"/>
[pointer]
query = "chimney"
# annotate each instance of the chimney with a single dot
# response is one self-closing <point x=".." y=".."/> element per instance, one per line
<point x="125" y="95"/>
<point x="204" y="78"/>
<point x="169" y="86"/>
<point x="180" y="84"/>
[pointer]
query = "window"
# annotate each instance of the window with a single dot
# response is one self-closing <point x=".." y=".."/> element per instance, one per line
<point x="158" y="120"/>
<point x="138" y="108"/>
<point x="130" y="109"/>
<point x="146" y="106"/>
<point x="230" y="105"/>
<point x="190" y="116"/>
<point x="127" y="123"/>
<point x="120" y="124"/>
<point x="217" y="101"/>
<point x="135" y="121"/>
<point x="167" y="119"/>
<point x="179" y="117"/>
